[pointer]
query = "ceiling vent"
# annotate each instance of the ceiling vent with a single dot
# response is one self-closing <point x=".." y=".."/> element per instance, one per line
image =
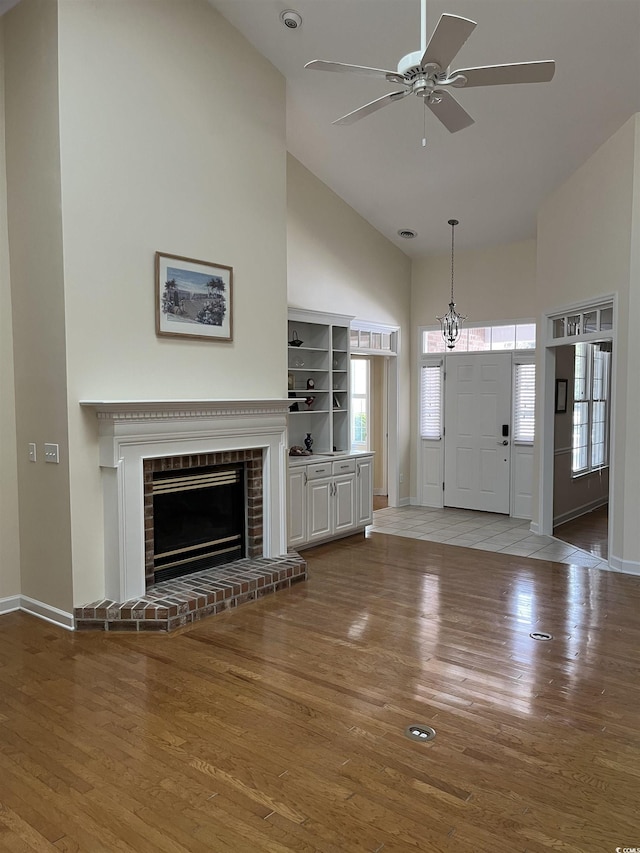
<point x="407" y="233"/>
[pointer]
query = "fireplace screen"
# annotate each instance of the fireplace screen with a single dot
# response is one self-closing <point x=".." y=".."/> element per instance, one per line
<point x="198" y="519"/>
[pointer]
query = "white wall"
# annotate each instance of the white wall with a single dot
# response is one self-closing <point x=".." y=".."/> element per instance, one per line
<point x="589" y="245"/>
<point x="9" y="539"/>
<point x="338" y="262"/>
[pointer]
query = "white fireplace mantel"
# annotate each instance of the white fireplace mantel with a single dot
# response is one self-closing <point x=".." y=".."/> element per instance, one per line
<point x="131" y="431"/>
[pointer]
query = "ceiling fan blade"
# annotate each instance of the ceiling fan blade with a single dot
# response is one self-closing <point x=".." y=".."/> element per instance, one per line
<point x="372" y="106"/>
<point x="447" y="39"/>
<point x="448" y="110"/>
<point x="499" y="75"/>
<point x="323" y="65"/>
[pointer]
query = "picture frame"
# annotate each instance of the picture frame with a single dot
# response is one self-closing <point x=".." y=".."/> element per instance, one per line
<point x="194" y="299"/>
<point x="561" y="396"/>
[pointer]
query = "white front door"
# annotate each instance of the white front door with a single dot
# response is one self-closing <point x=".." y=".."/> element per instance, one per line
<point x="477" y="414"/>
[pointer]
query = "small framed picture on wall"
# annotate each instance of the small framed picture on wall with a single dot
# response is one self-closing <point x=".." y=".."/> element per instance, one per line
<point x="561" y="396"/>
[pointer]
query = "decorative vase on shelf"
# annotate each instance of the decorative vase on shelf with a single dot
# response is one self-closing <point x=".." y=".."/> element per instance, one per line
<point x="308" y="442"/>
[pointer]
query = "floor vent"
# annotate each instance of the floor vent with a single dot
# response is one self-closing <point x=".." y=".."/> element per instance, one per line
<point x="421" y="733"/>
<point x="541" y="635"/>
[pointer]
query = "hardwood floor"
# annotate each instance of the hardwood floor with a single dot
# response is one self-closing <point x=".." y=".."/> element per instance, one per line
<point x="380" y="502"/>
<point x="280" y="726"/>
<point x="589" y="532"/>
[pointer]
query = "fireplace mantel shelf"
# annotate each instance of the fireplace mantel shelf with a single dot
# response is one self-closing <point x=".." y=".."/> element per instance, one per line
<point x="161" y="409"/>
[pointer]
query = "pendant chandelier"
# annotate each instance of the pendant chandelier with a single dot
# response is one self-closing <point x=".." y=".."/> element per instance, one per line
<point x="451" y="322"/>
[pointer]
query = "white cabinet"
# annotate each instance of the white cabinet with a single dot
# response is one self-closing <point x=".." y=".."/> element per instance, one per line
<point x="344" y="496"/>
<point x="297" y="501"/>
<point x="319" y="501"/>
<point x="327" y="498"/>
<point x="364" y="487"/>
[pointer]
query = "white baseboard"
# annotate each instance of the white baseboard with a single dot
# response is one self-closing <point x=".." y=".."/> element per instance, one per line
<point x="576" y="512"/>
<point x="8" y="605"/>
<point x="628" y="567"/>
<point x="404" y="501"/>
<point x="534" y="527"/>
<point x="379" y="492"/>
<point x="47" y="612"/>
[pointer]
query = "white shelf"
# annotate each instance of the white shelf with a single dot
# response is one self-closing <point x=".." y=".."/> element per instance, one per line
<point x="326" y="341"/>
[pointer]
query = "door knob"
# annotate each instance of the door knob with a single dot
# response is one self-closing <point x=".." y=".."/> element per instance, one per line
<point x="503" y="443"/>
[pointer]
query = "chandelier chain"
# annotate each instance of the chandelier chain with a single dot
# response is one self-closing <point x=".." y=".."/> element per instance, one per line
<point x="451" y="322"/>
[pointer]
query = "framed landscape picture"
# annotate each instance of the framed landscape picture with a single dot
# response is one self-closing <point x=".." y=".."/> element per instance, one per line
<point x="193" y="298"/>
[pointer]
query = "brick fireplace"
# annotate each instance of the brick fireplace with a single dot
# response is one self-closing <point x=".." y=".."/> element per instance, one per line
<point x="138" y="438"/>
<point x="246" y="464"/>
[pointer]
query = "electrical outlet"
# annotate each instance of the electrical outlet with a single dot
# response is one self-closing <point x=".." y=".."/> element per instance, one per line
<point x="51" y="453"/>
<point x="32" y="451"/>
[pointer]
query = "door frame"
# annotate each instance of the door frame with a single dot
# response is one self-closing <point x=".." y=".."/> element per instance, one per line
<point x="431" y="493"/>
<point x="545" y="407"/>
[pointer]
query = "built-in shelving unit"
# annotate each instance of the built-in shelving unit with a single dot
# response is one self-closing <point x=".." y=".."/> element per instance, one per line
<point x="318" y="371"/>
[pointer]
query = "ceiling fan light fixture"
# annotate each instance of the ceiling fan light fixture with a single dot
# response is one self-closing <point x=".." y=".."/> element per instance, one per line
<point x="451" y="322"/>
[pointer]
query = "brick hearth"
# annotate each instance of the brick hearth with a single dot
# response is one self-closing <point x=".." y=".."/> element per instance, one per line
<point x="175" y="603"/>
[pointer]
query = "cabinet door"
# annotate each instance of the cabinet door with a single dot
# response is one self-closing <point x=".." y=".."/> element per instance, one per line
<point x="319" y="508"/>
<point x="297" y="503"/>
<point x="364" y="468"/>
<point x="344" y="503"/>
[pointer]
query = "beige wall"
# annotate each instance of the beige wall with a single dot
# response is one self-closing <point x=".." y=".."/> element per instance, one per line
<point x="35" y="243"/>
<point x="493" y="284"/>
<point x="166" y="144"/>
<point x="588" y="246"/>
<point x="338" y="262"/>
<point x="9" y="540"/>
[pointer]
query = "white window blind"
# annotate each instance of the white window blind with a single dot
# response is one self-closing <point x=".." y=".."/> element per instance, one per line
<point x="589" y="440"/>
<point x="431" y="401"/>
<point x="524" y="403"/>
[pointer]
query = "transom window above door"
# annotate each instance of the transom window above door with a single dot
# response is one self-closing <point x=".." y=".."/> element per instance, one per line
<point x="506" y="336"/>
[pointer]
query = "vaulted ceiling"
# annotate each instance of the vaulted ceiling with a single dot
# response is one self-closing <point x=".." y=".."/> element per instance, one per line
<point x="492" y="176"/>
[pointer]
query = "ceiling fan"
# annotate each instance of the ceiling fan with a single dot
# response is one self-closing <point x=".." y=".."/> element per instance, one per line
<point x="426" y="73"/>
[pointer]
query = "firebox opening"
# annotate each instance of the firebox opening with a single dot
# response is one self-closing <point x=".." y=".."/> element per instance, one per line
<point x="199" y="519"/>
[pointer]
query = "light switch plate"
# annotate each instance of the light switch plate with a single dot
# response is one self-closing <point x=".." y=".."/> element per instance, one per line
<point x="51" y="453"/>
<point x="32" y="451"/>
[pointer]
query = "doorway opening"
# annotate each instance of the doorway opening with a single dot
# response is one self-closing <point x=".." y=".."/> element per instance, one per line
<point x="582" y="426"/>
<point x="369" y="418"/>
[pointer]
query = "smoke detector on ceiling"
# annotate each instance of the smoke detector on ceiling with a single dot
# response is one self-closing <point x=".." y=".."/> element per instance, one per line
<point x="291" y="19"/>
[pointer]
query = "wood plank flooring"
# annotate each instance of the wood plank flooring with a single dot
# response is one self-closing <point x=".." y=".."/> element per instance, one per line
<point x="589" y="532"/>
<point x="280" y="726"/>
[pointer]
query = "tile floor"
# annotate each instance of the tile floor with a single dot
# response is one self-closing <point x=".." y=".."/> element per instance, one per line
<point x="482" y="530"/>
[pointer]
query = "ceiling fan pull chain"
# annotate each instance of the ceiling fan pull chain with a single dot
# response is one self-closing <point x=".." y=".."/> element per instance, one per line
<point x="424" y="123"/>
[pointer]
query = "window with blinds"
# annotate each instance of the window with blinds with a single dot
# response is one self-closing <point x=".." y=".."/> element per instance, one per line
<point x="524" y="403"/>
<point x="590" y="432"/>
<point x="431" y="401"/>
